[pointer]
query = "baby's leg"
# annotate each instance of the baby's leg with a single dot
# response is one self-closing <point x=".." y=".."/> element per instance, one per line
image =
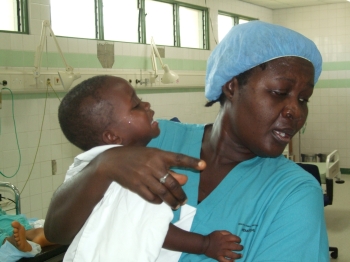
<point x="19" y="234"/>
<point x="37" y="235"/>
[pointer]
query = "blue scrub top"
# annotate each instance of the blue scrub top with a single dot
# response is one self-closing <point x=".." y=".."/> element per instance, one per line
<point x="272" y="204"/>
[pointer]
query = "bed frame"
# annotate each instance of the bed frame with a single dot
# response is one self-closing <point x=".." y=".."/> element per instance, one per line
<point x="53" y="253"/>
<point x="329" y="169"/>
<point x="17" y="199"/>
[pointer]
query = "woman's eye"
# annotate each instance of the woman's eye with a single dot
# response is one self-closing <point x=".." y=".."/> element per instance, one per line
<point x="304" y="100"/>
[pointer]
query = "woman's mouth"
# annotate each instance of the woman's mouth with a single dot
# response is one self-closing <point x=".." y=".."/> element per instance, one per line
<point x="284" y="137"/>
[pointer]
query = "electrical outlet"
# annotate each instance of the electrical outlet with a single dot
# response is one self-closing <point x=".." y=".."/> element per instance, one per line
<point x="48" y="81"/>
<point x="40" y="82"/>
<point x="17" y="82"/>
<point x="57" y="80"/>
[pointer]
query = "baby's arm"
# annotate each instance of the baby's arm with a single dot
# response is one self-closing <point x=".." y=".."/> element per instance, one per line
<point x="218" y="244"/>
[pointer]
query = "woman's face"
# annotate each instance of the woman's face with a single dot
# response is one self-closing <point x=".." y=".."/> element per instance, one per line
<point x="271" y="107"/>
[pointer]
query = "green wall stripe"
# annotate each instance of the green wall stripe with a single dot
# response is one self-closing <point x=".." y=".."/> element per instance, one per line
<point x="334" y="66"/>
<point x="333" y="83"/>
<point x="19" y="58"/>
<point x="164" y="90"/>
<point x="17" y="96"/>
<point x="15" y="58"/>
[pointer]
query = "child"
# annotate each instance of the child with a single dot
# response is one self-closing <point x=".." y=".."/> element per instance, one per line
<point x="104" y="112"/>
<point x="19" y="240"/>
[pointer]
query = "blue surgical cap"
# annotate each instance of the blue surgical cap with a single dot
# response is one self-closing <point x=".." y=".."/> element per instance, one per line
<point x="251" y="44"/>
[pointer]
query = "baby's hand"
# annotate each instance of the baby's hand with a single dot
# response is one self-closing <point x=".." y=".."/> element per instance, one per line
<point x="220" y="245"/>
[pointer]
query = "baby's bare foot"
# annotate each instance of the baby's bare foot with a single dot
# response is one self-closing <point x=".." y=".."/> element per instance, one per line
<point x="19" y="234"/>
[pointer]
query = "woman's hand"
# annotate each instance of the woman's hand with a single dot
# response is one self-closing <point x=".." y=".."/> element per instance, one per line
<point x="139" y="169"/>
<point x="136" y="168"/>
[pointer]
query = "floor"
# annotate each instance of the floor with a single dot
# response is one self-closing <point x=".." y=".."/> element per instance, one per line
<point x="338" y="220"/>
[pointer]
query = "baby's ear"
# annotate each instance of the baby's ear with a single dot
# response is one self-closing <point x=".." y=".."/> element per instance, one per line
<point x="111" y="138"/>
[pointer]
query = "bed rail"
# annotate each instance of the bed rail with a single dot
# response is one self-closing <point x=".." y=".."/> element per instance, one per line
<point x="333" y="166"/>
<point x="16" y="193"/>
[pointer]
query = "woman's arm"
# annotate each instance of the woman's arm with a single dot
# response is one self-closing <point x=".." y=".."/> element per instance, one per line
<point x="218" y="244"/>
<point x="135" y="168"/>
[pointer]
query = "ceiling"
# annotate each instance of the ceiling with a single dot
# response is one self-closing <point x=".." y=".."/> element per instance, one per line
<point x="278" y="4"/>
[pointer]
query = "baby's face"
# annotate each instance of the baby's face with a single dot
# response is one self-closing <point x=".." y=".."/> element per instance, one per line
<point x="132" y="120"/>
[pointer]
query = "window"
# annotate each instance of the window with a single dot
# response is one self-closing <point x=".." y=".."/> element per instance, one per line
<point x="14" y="16"/>
<point x="176" y="24"/>
<point x="168" y="22"/>
<point x="226" y="21"/>
<point x="120" y="20"/>
<point x="191" y="27"/>
<point x="159" y="22"/>
<point x="73" y="18"/>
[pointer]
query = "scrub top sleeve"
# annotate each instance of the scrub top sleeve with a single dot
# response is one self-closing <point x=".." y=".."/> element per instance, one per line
<point x="297" y="232"/>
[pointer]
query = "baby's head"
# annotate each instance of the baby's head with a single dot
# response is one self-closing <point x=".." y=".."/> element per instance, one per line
<point x="105" y="110"/>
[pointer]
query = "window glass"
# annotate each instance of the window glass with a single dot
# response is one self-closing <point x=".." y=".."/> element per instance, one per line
<point x="191" y="27"/>
<point x="120" y="20"/>
<point x="159" y="22"/>
<point x="13" y="15"/>
<point x="74" y="18"/>
<point x="242" y="21"/>
<point x="8" y="17"/>
<point x="225" y="23"/>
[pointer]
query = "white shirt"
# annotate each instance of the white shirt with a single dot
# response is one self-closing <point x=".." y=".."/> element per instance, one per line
<point x="122" y="226"/>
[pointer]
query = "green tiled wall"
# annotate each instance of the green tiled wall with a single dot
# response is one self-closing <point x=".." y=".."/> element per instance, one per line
<point x="13" y="58"/>
<point x="334" y="66"/>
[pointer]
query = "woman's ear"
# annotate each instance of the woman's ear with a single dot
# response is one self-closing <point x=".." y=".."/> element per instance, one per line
<point x="111" y="138"/>
<point x="229" y="88"/>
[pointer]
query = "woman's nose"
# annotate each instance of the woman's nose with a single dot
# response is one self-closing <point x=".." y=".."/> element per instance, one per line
<point x="294" y="112"/>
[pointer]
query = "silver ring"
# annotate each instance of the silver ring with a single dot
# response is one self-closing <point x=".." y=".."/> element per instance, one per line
<point x="162" y="179"/>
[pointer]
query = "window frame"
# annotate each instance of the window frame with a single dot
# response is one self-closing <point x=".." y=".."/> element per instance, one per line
<point x="176" y="23"/>
<point x="22" y="18"/>
<point x="205" y="21"/>
<point x="99" y="29"/>
<point x="236" y="17"/>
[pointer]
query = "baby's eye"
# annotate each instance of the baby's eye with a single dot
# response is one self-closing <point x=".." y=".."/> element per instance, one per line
<point x="137" y="102"/>
<point x="279" y="93"/>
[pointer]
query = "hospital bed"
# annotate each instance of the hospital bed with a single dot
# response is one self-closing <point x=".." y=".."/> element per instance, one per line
<point x="326" y="173"/>
<point x="329" y="169"/>
<point x="17" y="200"/>
<point x="53" y="253"/>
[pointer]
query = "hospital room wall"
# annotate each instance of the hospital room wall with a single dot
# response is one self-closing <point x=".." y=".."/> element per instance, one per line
<point x="39" y="135"/>
<point x="328" y="124"/>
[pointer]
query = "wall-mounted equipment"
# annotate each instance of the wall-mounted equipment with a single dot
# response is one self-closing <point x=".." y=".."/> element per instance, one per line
<point x="169" y="76"/>
<point x="67" y="77"/>
<point x="3" y="83"/>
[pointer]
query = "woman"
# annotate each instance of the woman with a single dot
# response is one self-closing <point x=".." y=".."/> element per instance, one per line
<point x="263" y="76"/>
